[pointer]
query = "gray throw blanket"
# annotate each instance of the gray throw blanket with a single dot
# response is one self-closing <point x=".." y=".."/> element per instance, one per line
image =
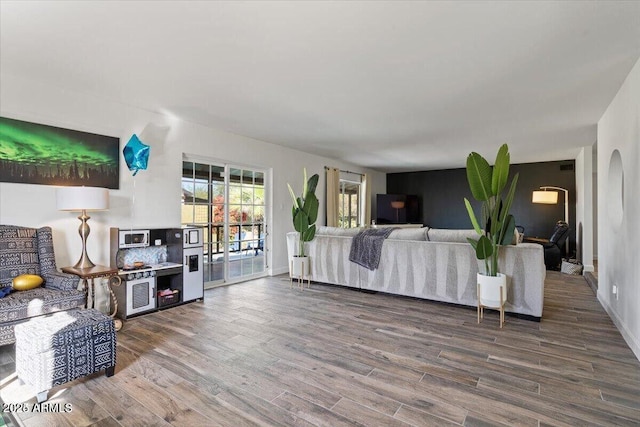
<point x="366" y="246"/>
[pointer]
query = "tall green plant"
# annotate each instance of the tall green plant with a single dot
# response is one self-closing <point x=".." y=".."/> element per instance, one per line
<point x="487" y="184"/>
<point x="305" y="210"/>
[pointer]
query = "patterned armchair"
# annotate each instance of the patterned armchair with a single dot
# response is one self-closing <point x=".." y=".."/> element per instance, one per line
<point x="26" y="250"/>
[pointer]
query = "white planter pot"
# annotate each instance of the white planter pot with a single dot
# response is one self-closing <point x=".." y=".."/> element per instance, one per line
<point x="489" y="290"/>
<point x="300" y="267"/>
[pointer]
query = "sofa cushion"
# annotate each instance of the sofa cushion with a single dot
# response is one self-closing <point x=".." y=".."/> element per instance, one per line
<point x="517" y="237"/>
<point x="337" y="231"/>
<point x="453" y="236"/>
<point x="61" y="281"/>
<point x="18" y="253"/>
<point x="46" y="255"/>
<point x="409" y="234"/>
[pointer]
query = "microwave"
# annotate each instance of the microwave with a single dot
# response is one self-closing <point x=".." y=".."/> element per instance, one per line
<point x="133" y="239"/>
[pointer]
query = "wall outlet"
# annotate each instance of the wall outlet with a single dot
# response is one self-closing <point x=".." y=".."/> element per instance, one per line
<point x="614" y="290"/>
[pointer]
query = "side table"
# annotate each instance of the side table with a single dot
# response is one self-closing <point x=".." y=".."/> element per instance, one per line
<point x="88" y="275"/>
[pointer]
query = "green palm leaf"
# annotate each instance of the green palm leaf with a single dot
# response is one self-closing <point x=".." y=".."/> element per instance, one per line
<point x="497" y="225"/>
<point x="479" y="177"/>
<point x="500" y="170"/>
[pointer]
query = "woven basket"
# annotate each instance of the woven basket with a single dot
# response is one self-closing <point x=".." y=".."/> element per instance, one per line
<point x="571" y="266"/>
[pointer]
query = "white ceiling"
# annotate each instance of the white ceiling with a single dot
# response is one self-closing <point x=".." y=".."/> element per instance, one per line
<point x="394" y="86"/>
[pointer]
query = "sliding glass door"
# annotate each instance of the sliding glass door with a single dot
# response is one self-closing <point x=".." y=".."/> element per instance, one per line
<point x="228" y="202"/>
<point x="246" y="223"/>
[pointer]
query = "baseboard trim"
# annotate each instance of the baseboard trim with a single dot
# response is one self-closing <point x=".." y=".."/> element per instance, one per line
<point x="633" y="344"/>
<point x="592" y="281"/>
<point x="278" y="271"/>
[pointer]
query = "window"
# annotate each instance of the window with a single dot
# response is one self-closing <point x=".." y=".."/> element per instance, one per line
<point x="349" y="200"/>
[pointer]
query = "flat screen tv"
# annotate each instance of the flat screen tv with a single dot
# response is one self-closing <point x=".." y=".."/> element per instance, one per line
<point x="397" y="209"/>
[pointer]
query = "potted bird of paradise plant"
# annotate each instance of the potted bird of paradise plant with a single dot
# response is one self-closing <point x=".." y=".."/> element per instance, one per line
<point x="304" y="214"/>
<point x="496" y="225"/>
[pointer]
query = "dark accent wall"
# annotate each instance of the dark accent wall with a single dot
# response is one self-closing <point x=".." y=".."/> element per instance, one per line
<point x="441" y="196"/>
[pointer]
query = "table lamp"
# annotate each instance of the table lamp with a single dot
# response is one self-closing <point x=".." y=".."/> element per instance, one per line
<point x="83" y="199"/>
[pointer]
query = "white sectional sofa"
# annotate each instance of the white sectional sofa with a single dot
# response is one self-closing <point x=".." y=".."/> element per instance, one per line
<point x="434" y="264"/>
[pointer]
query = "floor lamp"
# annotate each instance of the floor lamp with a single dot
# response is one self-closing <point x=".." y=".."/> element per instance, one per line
<point x="551" y="198"/>
<point x="397" y="205"/>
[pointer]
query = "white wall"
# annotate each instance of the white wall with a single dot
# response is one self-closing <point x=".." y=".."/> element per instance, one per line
<point x="594" y="196"/>
<point x="584" y="207"/>
<point x="157" y="189"/>
<point x="619" y="239"/>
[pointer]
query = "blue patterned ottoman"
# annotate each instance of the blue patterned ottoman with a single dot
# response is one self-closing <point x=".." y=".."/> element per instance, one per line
<point x="60" y="347"/>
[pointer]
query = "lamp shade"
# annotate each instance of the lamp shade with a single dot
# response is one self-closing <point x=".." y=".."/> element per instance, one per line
<point x="398" y="204"/>
<point x="82" y="198"/>
<point x="545" y="197"/>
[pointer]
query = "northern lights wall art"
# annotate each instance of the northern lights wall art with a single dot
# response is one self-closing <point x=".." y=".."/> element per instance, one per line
<point x="32" y="153"/>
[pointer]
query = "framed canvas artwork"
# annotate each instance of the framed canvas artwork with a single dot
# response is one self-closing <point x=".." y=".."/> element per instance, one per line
<point x="32" y="153"/>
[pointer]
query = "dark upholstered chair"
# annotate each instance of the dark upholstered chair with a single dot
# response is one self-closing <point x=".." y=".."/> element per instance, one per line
<point x="553" y="248"/>
<point x="26" y="250"/>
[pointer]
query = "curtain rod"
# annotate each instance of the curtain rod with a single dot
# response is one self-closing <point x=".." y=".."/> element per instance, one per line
<point x="355" y="173"/>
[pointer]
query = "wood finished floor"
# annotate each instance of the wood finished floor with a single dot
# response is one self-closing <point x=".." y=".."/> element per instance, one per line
<point x="259" y="353"/>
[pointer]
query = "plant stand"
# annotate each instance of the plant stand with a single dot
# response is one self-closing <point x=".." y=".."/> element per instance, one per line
<point x="492" y="293"/>
<point x="300" y="269"/>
